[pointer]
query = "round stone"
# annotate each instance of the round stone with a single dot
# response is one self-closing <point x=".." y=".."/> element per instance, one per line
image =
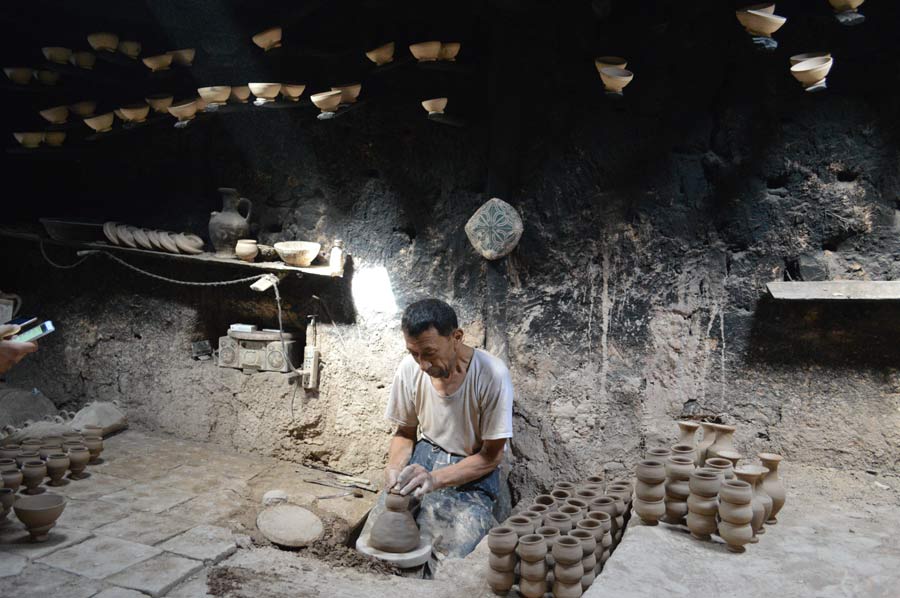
<point x="274" y="497"/>
<point x="289" y="525"/>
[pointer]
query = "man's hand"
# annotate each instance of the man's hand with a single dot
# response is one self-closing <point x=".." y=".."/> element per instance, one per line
<point x="391" y="474"/>
<point x="12" y="353"/>
<point x="416" y="479"/>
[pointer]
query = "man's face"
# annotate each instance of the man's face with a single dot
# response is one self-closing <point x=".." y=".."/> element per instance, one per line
<point x="435" y="354"/>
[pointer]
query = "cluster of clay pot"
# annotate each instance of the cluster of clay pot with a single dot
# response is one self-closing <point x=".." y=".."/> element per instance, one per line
<point x="701" y="486"/>
<point x="561" y="542"/>
<point x="26" y="465"/>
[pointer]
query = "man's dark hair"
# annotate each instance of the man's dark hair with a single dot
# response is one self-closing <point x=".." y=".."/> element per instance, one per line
<point x="422" y="315"/>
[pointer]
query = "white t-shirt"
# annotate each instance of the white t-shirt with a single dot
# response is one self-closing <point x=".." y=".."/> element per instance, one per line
<point x="479" y="410"/>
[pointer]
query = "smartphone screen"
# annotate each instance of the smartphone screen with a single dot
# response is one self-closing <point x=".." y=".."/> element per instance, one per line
<point x="22" y="322"/>
<point x="32" y="334"/>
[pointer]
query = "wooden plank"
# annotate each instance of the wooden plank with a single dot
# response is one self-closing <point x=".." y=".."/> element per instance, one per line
<point x="836" y="290"/>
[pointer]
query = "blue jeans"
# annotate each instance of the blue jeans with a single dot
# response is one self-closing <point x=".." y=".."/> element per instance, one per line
<point x="456" y="518"/>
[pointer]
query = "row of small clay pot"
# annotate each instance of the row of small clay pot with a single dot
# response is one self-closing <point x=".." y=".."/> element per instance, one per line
<point x="556" y="519"/>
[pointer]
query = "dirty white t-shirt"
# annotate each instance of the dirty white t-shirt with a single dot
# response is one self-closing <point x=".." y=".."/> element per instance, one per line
<point x="479" y="410"/>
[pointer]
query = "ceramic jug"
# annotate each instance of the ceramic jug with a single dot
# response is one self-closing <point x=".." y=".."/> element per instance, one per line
<point x="395" y="530"/>
<point x="228" y="226"/>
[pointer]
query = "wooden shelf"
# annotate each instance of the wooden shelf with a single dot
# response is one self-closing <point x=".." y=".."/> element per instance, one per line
<point x="835" y="290"/>
<point x="207" y="258"/>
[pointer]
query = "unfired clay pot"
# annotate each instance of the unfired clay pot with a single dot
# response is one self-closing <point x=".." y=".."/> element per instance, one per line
<point x="227" y="226"/>
<point x="578" y="503"/>
<point x="521" y="525"/>
<point x="771" y="483"/>
<point x="502" y="562"/>
<point x="500" y="581"/>
<point x="39" y="513"/>
<point x="95" y="445"/>
<point x="12" y="479"/>
<point x="709" y="437"/>
<point x="687" y="433"/>
<point x="10" y="451"/>
<point x="723" y="466"/>
<point x="8" y="465"/>
<point x="561" y="496"/>
<point x="537" y="518"/>
<point x="567" y="590"/>
<point x="395" y="530"/>
<point x="567" y="486"/>
<point x="532" y="548"/>
<point x="567" y="550"/>
<point x="78" y="460"/>
<point x="560" y="521"/>
<point x="651" y="471"/>
<point x="702" y="503"/>
<point x="575" y="514"/>
<point x="723" y="442"/>
<point x="246" y="249"/>
<point x="57" y="464"/>
<point x="546" y="500"/>
<point x="685" y="450"/>
<point x="650" y="512"/>
<point x="33" y="474"/>
<point x="502" y="540"/>
<point x="7" y="498"/>
<point x="751" y="475"/>
<point x="660" y="453"/>
<point x="533" y="588"/>
<point x="26" y="456"/>
<point x="586" y="495"/>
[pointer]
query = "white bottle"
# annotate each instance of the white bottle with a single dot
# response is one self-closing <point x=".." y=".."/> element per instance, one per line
<point x="336" y="258"/>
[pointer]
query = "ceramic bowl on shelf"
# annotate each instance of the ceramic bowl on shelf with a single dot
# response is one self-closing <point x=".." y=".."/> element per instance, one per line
<point x="185" y="244"/>
<point x="327" y="101"/>
<point x="100" y="123"/>
<point x="20" y="75"/>
<point x="140" y="237"/>
<point x="184" y="111"/>
<point x="103" y="40"/>
<point x="46" y="77"/>
<point x="812" y="71"/>
<point x="268" y="39"/>
<point x="766" y="7"/>
<point x="160" y="102"/>
<point x="382" y="54"/>
<point x="192" y="239"/>
<point x="435" y="105"/>
<point x="136" y="113"/>
<point x="183" y="57"/>
<point x="215" y="94"/>
<point x="56" y="115"/>
<point x="154" y="239"/>
<point x="845" y="5"/>
<point x="126" y="238"/>
<point x="29" y="139"/>
<point x="109" y="231"/>
<point x="265" y="91"/>
<point x="615" y="79"/>
<point x="292" y="91"/>
<point x="449" y="50"/>
<point x="56" y="54"/>
<point x="159" y="62"/>
<point x="760" y="23"/>
<point x="349" y="93"/>
<point x="240" y="93"/>
<point x="129" y="48"/>
<point x="298" y="253"/>
<point x="426" y="51"/>
<point x="165" y="239"/>
<point x="797" y="58"/>
<point x="54" y="138"/>
<point x="84" y="60"/>
<point x="83" y="108"/>
<point x="603" y="62"/>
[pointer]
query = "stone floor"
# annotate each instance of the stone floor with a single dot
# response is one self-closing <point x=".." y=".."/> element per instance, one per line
<point x="152" y="518"/>
<point x="164" y="517"/>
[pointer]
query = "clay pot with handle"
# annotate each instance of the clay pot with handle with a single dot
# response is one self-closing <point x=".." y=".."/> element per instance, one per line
<point x="229" y="226"/>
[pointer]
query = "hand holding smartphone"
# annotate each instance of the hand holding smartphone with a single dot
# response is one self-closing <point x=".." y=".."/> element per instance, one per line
<point x="33" y="334"/>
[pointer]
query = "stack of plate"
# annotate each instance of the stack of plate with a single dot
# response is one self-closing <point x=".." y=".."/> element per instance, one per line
<point x="154" y="240"/>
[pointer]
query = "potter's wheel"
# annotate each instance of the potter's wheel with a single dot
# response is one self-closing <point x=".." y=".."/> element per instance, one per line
<point x="404" y="560"/>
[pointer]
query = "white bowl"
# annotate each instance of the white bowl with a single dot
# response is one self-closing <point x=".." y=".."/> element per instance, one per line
<point x="184" y="111"/>
<point x="327" y="101"/>
<point x="349" y="93"/>
<point x="56" y="115"/>
<point x="812" y="71"/>
<point x="426" y="51"/>
<point x="83" y="108"/>
<point x="268" y="39"/>
<point x="797" y="58"/>
<point x="57" y="54"/>
<point x="615" y="79"/>
<point x="435" y="105"/>
<point x="103" y="40"/>
<point x="298" y="253"/>
<point x="292" y="91"/>
<point x="760" y="23"/>
<point x="602" y="62"/>
<point x="100" y="123"/>
<point x="382" y="54"/>
<point x="29" y="139"/>
<point x="216" y="94"/>
<point x="183" y="57"/>
<point x="158" y="62"/>
<point x="20" y="75"/>
<point x="54" y="138"/>
<point x="134" y="113"/>
<point x="449" y="50"/>
<point x="129" y="48"/>
<point x="84" y="60"/>
<point x="266" y="91"/>
<point x="159" y="102"/>
<point x="240" y="93"/>
<point x="845" y="5"/>
<point x="46" y="77"/>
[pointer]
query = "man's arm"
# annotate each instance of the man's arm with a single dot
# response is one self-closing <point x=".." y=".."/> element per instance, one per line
<point x="399" y="453"/>
<point x="471" y="468"/>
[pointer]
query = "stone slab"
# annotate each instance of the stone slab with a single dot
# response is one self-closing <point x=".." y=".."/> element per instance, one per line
<point x="148" y="496"/>
<point x="205" y="543"/>
<point x="39" y="581"/>
<point x="194" y="587"/>
<point x="90" y="514"/>
<point x="100" y="557"/>
<point x="156" y="575"/>
<point x="12" y="564"/>
<point x="145" y="528"/>
<point x="289" y="525"/>
<point x="120" y="593"/>
<point x="93" y="487"/>
<point x="14" y="539"/>
<point x="213" y="506"/>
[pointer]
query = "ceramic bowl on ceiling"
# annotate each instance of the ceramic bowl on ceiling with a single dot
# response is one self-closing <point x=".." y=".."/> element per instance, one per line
<point x="449" y="50"/>
<point x="165" y="239"/>
<point x="136" y="113"/>
<point x="602" y="62"/>
<point x="184" y="111"/>
<point x="240" y="93"/>
<point x="154" y="239"/>
<point x="435" y="105"/>
<point x="812" y="71"/>
<point x="54" y="138"/>
<point x="57" y="54"/>
<point x="56" y="115"/>
<point x="100" y="123"/>
<point x="46" y="77"/>
<point x="20" y="75"/>
<point x="109" y="231"/>
<point x="615" y="79"/>
<point x="382" y="54"/>
<point x="184" y="244"/>
<point x="129" y="48"/>
<point x="268" y="39"/>
<point x="84" y="60"/>
<point x="160" y="101"/>
<point x="103" y="40"/>
<point x="118" y="114"/>
<point x="215" y="94"/>
<point x="845" y="5"/>
<point x="201" y="104"/>
<point x="265" y="91"/>
<point x="292" y="91"/>
<point x="83" y="108"/>
<point x="349" y="93"/>
<point x="760" y="23"/>
<point x="766" y="7"/>
<point x="159" y="62"/>
<point x="29" y="139"/>
<point x="426" y="51"/>
<point x="123" y="233"/>
<point x="327" y="101"/>
<point x="183" y="57"/>
<point x="797" y="58"/>
<point x="298" y="253"/>
<point x="192" y="240"/>
<point x="140" y="237"/>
